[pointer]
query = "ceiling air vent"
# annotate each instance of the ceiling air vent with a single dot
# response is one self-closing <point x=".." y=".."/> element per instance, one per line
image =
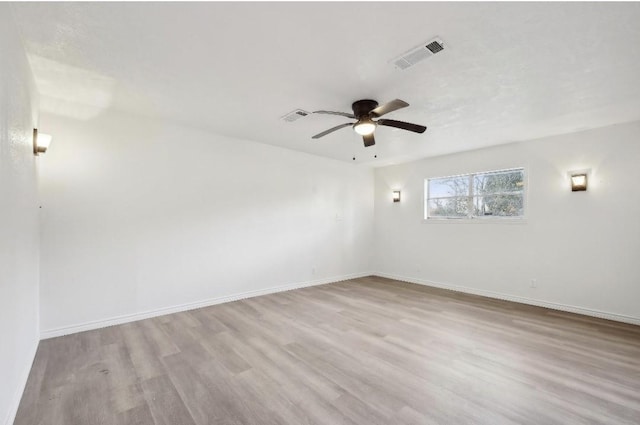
<point x="294" y="115"/>
<point x="419" y="53"/>
<point x="435" y="47"/>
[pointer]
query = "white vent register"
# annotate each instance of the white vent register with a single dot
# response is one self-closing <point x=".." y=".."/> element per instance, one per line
<point x="294" y="115"/>
<point x="419" y="53"/>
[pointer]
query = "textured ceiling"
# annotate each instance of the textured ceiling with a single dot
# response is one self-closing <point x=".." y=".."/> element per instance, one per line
<point x="511" y="71"/>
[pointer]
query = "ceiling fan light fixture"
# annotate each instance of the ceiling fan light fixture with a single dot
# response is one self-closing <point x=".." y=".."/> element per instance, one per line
<point x="364" y="127"/>
<point x="364" y="111"/>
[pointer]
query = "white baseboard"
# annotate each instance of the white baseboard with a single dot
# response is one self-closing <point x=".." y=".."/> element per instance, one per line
<point x="15" y="403"/>
<point x="515" y="298"/>
<point x="118" y="320"/>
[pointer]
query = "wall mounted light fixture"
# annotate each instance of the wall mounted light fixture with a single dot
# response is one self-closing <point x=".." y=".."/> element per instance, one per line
<point x="578" y="181"/>
<point x="396" y="196"/>
<point x="41" y="142"/>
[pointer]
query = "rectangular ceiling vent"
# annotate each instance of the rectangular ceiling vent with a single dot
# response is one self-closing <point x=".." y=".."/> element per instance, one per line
<point x="294" y="115"/>
<point x="419" y="53"/>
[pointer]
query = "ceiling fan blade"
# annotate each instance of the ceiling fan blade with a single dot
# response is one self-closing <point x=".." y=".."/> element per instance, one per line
<point x="369" y="140"/>
<point x="331" y="130"/>
<point x="343" y="114"/>
<point x="416" y="128"/>
<point x="394" y="105"/>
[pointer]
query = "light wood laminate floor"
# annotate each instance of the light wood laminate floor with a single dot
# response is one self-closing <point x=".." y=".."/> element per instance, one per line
<point x="365" y="351"/>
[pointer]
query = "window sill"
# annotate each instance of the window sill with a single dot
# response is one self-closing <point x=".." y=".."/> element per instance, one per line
<point x="508" y="221"/>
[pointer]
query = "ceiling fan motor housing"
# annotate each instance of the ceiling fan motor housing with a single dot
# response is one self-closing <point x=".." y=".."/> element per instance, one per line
<point x="362" y="108"/>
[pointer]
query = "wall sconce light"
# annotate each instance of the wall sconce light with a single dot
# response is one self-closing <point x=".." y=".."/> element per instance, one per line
<point x="396" y="196"/>
<point x="41" y="142"/>
<point x="578" y="182"/>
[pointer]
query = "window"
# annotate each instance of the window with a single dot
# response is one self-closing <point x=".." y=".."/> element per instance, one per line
<point x="498" y="194"/>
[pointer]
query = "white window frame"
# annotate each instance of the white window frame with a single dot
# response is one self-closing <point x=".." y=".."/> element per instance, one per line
<point x="493" y="219"/>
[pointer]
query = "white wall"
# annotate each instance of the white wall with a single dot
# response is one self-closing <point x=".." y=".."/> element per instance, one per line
<point x="582" y="247"/>
<point x="139" y="215"/>
<point x="18" y="220"/>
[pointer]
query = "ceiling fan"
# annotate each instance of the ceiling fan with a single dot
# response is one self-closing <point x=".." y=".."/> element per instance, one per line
<point x="364" y="111"/>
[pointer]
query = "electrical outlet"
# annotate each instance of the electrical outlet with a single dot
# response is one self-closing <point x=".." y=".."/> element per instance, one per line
<point x="534" y="283"/>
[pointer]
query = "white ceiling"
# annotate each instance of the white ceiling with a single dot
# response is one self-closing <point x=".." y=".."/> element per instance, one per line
<point x="511" y="71"/>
